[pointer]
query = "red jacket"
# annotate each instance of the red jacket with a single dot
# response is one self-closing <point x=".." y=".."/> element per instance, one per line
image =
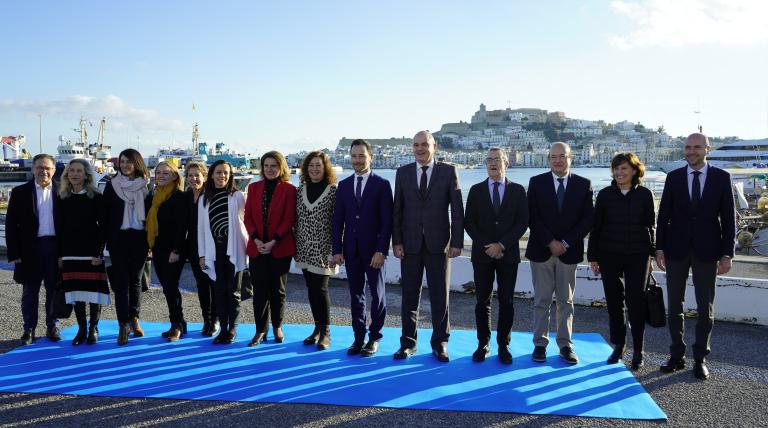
<point x="280" y="218"/>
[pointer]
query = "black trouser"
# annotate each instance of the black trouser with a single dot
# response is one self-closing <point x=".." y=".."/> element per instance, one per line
<point x="412" y="267"/>
<point x="46" y="271"/>
<point x="205" y="289"/>
<point x="227" y="293"/>
<point x="635" y="269"/>
<point x="169" y="275"/>
<point x="128" y="256"/>
<point x="319" y="301"/>
<point x="506" y="275"/>
<point x="268" y="275"/>
<point x="80" y="313"/>
<point x="704" y="279"/>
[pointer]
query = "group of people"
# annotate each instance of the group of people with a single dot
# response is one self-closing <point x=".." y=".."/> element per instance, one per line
<point x="59" y="233"/>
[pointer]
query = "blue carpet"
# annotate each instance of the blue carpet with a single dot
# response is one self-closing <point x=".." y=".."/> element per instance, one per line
<point x="195" y="369"/>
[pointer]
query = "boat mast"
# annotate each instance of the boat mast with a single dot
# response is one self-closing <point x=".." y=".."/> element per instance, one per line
<point x="83" y="132"/>
<point x="100" y="138"/>
<point x="195" y="138"/>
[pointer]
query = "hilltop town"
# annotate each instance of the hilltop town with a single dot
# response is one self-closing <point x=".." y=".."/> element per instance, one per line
<point x="526" y="134"/>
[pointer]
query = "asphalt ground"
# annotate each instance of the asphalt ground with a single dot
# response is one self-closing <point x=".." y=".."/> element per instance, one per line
<point x="734" y="396"/>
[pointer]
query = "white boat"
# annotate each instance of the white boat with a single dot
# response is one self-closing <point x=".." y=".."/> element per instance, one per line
<point x="97" y="154"/>
<point x="737" y="154"/>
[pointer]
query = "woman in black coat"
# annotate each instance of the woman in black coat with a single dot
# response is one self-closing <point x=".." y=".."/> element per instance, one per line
<point x="622" y="244"/>
<point x="124" y="214"/>
<point x="81" y="247"/>
<point x="167" y="238"/>
<point x="196" y="175"/>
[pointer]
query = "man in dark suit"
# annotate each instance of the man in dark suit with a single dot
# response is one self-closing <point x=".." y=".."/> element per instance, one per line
<point x="30" y="238"/>
<point x="496" y="217"/>
<point x="696" y="230"/>
<point x="362" y="227"/>
<point x="424" y="237"/>
<point x="560" y="209"/>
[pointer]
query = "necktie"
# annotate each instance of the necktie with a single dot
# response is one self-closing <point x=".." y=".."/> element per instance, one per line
<point x="359" y="190"/>
<point x="560" y="194"/>
<point x="423" y="181"/>
<point x="696" y="189"/>
<point x="496" y="197"/>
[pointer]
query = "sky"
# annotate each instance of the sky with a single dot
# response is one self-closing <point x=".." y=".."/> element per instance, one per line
<point x="300" y="75"/>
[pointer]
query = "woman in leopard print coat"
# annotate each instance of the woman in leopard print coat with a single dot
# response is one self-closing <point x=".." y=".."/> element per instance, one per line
<point x="315" y="201"/>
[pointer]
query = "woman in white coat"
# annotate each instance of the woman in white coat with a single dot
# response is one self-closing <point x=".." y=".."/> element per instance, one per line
<point x="221" y="241"/>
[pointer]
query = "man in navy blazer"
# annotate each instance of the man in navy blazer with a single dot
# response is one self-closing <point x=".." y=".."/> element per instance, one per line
<point x="496" y="218"/>
<point x="362" y="227"/>
<point x="560" y="211"/>
<point x="30" y="238"/>
<point x="696" y="230"/>
<point x="424" y="237"/>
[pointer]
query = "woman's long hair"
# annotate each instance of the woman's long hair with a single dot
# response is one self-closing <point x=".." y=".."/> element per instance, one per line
<point x="65" y="187"/>
<point x="210" y="187"/>
<point x="328" y="174"/>
<point x="139" y="167"/>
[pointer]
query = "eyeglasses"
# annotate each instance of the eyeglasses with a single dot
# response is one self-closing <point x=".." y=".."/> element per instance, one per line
<point x="494" y="160"/>
<point x="557" y="157"/>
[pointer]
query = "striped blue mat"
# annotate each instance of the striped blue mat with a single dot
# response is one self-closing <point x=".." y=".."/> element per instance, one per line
<point x="195" y="369"/>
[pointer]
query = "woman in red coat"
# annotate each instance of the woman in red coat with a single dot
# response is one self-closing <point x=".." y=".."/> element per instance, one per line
<point x="270" y="210"/>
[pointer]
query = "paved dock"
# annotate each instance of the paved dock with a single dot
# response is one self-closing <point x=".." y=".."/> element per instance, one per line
<point x="735" y="395"/>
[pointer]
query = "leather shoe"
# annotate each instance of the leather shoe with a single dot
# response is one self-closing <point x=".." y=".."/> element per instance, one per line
<point x="673" y="365"/>
<point x="122" y="334"/>
<point x="28" y="337"/>
<point x="80" y="336"/>
<point x="93" y="335"/>
<point x="567" y="355"/>
<point x="480" y="353"/>
<point x="279" y="336"/>
<point x="218" y="340"/>
<point x="539" y="354"/>
<point x="504" y="355"/>
<point x="700" y="370"/>
<point x="136" y="327"/>
<point x="616" y="355"/>
<point x="174" y="334"/>
<point x="356" y="348"/>
<point x="312" y="338"/>
<point x="370" y="348"/>
<point x="441" y="353"/>
<point x="324" y="340"/>
<point x="231" y="336"/>
<point x="404" y="352"/>
<point x="257" y="339"/>
<point x="637" y="361"/>
<point x="53" y="334"/>
<point x="213" y="329"/>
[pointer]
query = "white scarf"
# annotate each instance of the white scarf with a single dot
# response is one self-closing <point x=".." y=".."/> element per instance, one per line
<point x="132" y="192"/>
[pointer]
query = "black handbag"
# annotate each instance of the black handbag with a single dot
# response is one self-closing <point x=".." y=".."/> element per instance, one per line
<point x="656" y="313"/>
<point x="61" y="310"/>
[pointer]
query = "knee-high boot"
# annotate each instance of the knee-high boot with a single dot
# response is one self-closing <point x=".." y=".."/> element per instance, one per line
<point x="93" y="330"/>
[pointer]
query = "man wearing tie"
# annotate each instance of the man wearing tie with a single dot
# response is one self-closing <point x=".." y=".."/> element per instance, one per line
<point x="424" y="238"/>
<point x="496" y="217"/>
<point x="560" y="209"/>
<point x="31" y="243"/>
<point x="362" y="227"/>
<point x="696" y="230"/>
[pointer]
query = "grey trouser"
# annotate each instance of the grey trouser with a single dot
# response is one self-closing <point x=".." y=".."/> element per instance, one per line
<point x="553" y="277"/>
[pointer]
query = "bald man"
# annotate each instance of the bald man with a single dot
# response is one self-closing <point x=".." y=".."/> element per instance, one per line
<point x="696" y="232"/>
<point x="424" y="238"/>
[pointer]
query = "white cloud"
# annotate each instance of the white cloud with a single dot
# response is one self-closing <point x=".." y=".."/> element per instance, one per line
<point x="677" y="23"/>
<point x="119" y="114"/>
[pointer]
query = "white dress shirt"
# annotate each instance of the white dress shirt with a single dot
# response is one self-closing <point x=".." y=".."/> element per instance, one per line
<point x="45" y="210"/>
<point x="557" y="183"/>
<point x="431" y="167"/>
<point x="362" y="183"/>
<point x="702" y="179"/>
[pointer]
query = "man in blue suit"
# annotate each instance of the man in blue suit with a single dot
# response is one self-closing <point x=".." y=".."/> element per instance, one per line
<point x="696" y="231"/>
<point x="362" y="227"/>
<point x="560" y="212"/>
